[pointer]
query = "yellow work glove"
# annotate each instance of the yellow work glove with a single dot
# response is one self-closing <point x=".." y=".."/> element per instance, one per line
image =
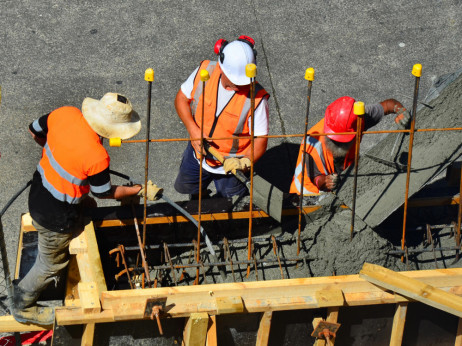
<point x="233" y="163"/>
<point x="152" y="192"/>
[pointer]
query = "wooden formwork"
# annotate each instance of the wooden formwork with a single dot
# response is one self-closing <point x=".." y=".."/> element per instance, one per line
<point x="87" y="300"/>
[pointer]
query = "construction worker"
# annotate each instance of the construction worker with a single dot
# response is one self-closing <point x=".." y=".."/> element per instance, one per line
<point x="327" y="156"/>
<point x="74" y="162"/>
<point x="226" y="113"/>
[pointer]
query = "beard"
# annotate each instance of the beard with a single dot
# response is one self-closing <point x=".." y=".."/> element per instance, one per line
<point x="339" y="150"/>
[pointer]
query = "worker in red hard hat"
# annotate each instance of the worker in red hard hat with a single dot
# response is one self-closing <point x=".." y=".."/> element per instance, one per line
<point x="226" y="114"/>
<point x="327" y="156"/>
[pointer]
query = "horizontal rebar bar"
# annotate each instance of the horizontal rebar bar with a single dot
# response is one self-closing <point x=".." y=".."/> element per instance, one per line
<point x="212" y="264"/>
<point x="401" y="252"/>
<point x="287" y="136"/>
<point x="259" y="240"/>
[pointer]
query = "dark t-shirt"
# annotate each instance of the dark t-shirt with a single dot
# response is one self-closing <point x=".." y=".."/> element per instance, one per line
<point x="45" y="209"/>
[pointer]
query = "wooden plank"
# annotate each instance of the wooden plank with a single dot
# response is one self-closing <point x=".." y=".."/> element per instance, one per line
<point x="26" y="223"/>
<point x="413" y="289"/>
<point x="212" y="336"/>
<point x="318" y="342"/>
<point x="71" y="297"/>
<point x="329" y="297"/>
<point x="78" y="244"/>
<point x="459" y="334"/>
<point x="89" y="297"/>
<point x="264" y="329"/>
<point x="260" y="296"/>
<point x="75" y="315"/>
<point x="88" y="334"/>
<point x="399" y="321"/>
<point x="9" y="325"/>
<point x="229" y="305"/>
<point x="332" y="316"/>
<point x="195" y="331"/>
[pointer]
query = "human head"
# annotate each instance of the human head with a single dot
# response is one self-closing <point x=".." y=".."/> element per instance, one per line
<point x="233" y="57"/>
<point x="339" y="117"/>
<point x="112" y="116"/>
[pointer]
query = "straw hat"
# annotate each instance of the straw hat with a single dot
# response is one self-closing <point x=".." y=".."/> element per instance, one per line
<point x="112" y="116"/>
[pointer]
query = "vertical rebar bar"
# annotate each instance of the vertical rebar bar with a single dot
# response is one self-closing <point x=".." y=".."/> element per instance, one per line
<point x="251" y="72"/>
<point x="358" y="109"/>
<point x="204" y="76"/>
<point x="417" y="72"/>
<point x="149" y="77"/>
<point x="309" y="76"/>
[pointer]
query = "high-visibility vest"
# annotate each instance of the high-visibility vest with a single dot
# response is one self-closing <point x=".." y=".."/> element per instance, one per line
<point x="73" y="152"/>
<point x="233" y="119"/>
<point x="322" y="158"/>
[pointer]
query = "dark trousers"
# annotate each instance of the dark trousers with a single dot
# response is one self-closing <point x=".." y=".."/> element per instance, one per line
<point x="187" y="181"/>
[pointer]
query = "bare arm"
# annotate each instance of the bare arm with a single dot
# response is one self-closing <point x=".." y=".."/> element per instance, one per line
<point x="184" y="112"/>
<point x="39" y="140"/>
<point x="391" y="106"/>
<point x="259" y="148"/>
<point x="120" y="192"/>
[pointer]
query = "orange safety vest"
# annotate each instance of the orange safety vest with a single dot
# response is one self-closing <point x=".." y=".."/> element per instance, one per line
<point x="233" y="119"/>
<point x="322" y="158"/>
<point x="73" y="152"/>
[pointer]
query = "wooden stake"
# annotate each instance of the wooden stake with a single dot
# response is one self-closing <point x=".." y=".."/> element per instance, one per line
<point x="398" y="324"/>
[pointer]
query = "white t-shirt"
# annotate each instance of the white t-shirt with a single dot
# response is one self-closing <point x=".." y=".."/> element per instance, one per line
<point x="261" y="126"/>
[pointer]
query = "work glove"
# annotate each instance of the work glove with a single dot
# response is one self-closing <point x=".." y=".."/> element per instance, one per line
<point x="403" y="117"/>
<point x="233" y="163"/>
<point x="331" y="181"/>
<point x="152" y="192"/>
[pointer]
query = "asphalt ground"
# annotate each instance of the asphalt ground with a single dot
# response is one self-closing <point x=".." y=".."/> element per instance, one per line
<point x="56" y="53"/>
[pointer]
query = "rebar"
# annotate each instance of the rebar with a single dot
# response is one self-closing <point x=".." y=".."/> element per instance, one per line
<point x="252" y="157"/>
<point x="359" y="125"/>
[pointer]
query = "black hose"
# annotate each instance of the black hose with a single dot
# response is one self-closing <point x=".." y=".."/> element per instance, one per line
<point x="10" y="202"/>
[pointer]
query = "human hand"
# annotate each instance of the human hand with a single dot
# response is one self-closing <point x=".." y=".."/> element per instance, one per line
<point x="151" y="191"/>
<point x="331" y="181"/>
<point x="233" y="163"/>
<point x="196" y="133"/>
<point x="403" y="117"/>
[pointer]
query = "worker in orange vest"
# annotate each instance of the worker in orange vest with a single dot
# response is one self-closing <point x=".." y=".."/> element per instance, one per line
<point x="327" y="156"/>
<point x="226" y="113"/>
<point x="74" y="162"/>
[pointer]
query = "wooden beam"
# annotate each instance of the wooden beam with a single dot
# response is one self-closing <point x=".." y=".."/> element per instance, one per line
<point x="459" y="334"/>
<point x="258" y="296"/>
<point x="195" y="331"/>
<point x="9" y="325"/>
<point x="318" y="342"/>
<point x="264" y="329"/>
<point x="88" y="334"/>
<point x="412" y="288"/>
<point x="329" y="297"/>
<point x="229" y="305"/>
<point x="89" y="297"/>
<point x="399" y="320"/>
<point x="212" y="336"/>
<point x="71" y="297"/>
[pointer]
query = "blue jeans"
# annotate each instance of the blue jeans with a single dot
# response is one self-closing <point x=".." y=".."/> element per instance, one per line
<point x="187" y="181"/>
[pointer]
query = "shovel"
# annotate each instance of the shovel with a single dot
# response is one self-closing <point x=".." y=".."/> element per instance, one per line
<point x="265" y="195"/>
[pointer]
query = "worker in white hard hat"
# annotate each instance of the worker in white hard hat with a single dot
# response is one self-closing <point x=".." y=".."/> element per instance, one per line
<point x="226" y="114"/>
<point x="73" y="164"/>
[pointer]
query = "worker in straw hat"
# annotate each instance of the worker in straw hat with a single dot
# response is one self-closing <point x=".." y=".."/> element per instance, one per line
<point x="327" y="156"/>
<point x="226" y="113"/>
<point x="74" y="162"/>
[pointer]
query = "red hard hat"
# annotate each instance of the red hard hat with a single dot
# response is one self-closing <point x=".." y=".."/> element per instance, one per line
<point x="339" y="117"/>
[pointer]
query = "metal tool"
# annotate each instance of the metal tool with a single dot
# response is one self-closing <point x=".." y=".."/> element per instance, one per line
<point x="396" y="165"/>
<point x="417" y="72"/>
<point x="358" y="109"/>
<point x="266" y="196"/>
<point x="309" y="76"/>
<point x="326" y="330"/>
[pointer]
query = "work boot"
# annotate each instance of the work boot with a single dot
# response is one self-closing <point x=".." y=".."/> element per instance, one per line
<point x="25" y="311"/>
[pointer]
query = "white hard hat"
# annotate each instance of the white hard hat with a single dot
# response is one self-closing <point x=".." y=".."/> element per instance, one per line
<point x="237" y="55"/>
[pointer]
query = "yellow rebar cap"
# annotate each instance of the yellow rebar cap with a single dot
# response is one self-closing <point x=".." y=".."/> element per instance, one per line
<point x="115" y="142"/>
<point x="309" y="74"/>
<point x="149" y="75"/>
<point x="205" y="75"/>
<point x="358" y="108"/>
<point x="417" y="70"/>
<point x="251" y="70"/>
